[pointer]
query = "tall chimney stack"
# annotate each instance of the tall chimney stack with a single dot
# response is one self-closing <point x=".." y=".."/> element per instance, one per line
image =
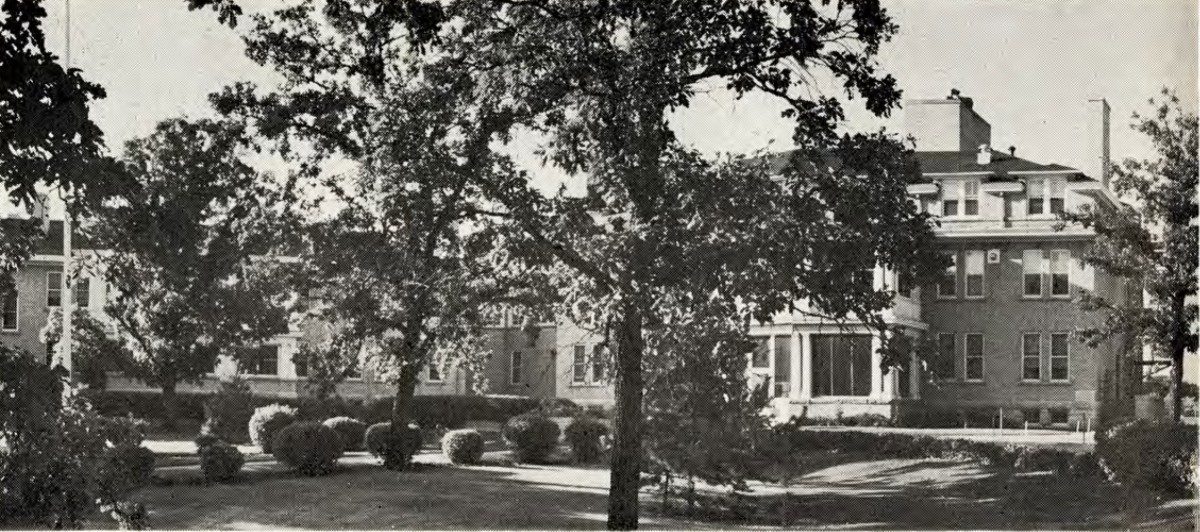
<point x="1098" y="158"/>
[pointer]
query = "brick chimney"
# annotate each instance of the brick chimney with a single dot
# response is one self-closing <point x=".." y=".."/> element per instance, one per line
<point x="949" y="124"/>
<point x="1097" y="152"/>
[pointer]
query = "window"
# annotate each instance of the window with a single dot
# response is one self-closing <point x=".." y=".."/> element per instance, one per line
<point x="263" y="360"/>
<point x="1031" y="357"/>
<point x="54" y="287"/>
<point x="973" y="357"/>
<point x="1035" y="193"/>
<point x="761" y="357"/>
<point x="975" y="261"/>
<point x="1056" y="196"/>
<point x="83" y="287"/>
<point x="841" y="365"/>
<point x="598" y="363"/>
<point x="783" y="365"/>
<point x="300" y="362"/>
<point x="1060" y="273"/>
<point x="8" y="312"/>
<point x="1059" y="416"/>
<point x="1060" y="357"/>
<point x="1031" y="263"/>
<point x="943" y="367"/>
<point x="433" y="373"/>
<point x="904" y="285"/>
<point x="971" y="198"/>
<point x="948" y="284"/>
<point x="950" y="199"/>
<point x="578" y="365"/>
<point x="514" y="368"/>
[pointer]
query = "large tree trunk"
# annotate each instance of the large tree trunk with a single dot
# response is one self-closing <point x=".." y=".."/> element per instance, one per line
<point x="406" y="387"/>
<point x="1178" y="349"/>
<point x="169" y="402"/>
<point x="625" y="480"/>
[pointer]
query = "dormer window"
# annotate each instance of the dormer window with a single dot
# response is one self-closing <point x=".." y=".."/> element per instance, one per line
<point x="950" y="199"/>
<point x="1056" y="196"/>
<point x="971" y="198"/>
<point x="1035" y="192"/>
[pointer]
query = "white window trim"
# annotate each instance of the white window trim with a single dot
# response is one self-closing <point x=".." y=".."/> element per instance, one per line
<point x="1051" y="357"/>
<point x="1025" y="355"/>
<point x="1045" y="186"/>
<point x="1041" y="277"/>
<point x="85" y="302"/>
<point x="244" y="371"/>
<point x="982" y="275"/>
<point x="962" y="193"/>
<point x="519" y="372"/>
<point x="967" y="355"/>
<point x="429" y="375"/>
<point x="597" y="361"/>
<point x="938" y="286"/>
<point x="766" y="368"/>
<point x="1051" y="273"/>
<point x="54" y="286"/>
<point x="959" y="200"/>
<point x="17" y="313"/>
<point x="586" y="367"/>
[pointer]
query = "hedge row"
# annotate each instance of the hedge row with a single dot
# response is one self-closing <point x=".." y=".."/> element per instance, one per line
<point x="450" y="411"/>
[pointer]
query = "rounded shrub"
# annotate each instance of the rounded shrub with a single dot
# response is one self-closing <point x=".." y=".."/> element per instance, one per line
<point x="205" y="439"/>
<point x="268" y="420"/>
<point x="586" y="434"/>
<point x="125" y="468"/>
<point x="220" y="462"/>
<point x="350" y="430"/>
<point x="1145" y="454"/>
<point x="463" y="446"/>
<point x="308" y="447"/>
<point x="394" y="448"/>
<point x="532" y="436"/>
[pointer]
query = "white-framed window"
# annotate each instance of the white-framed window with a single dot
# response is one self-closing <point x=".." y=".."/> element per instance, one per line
<point x="1060" y="273"/>
<point x="10" y="312"/>
<point x="943" y="367"/>
<point x="1057" y="196"/>
<point x="599" y="363"/>
<point x="1031" y="357"/>
<point x="54" y="286"/>
<point x="1031" y="265"/>
<point x="261" y="360"/>
<point x="950" y="197"/>
<point x="973" y="357"/>
<point x="515" y="367"/>
<point x="971" y="198"/>
<point x="433" y="372"/>
<point x="760" y="358"/>
<point x="579" y="365"/>
<point x="1035" y="193"/>
<point x="974" y="277"/>
<point x="83" y="289"/>
<point x="1060" y="357"/>
<point x="947" y="286"/>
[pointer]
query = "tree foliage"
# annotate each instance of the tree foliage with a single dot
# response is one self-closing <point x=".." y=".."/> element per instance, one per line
<point x="189" y="252"/>
<point x="94" y="352"/>
<point x="1151" y="242"/>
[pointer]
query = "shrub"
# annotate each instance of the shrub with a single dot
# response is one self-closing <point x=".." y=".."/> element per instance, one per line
<point x="268" y="420"/>
<point x="394" y="448"/>
<point x="220" y="462"/>
<point x="1145" y="454"/>
<point x="145" y="405"/>
<point x="308" y="447"/>
<point x="350" y="430"/>
<point x="315" y="408"/>
<point x="452" y="411"/>
<point x="124" y="431"/>
<point x="585" y="434"/>
<point x="533" y="437"/>
<point x="124" y="469"/>
<point x="228" y="411"/>
<point x="205" y="439"/>
<point x="463" y="446"/>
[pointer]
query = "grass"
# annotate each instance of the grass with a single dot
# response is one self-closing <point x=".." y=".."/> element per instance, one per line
<point x="833" y="490"/>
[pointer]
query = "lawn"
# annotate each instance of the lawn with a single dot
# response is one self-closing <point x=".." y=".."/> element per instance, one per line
<point x="835" y="492"/>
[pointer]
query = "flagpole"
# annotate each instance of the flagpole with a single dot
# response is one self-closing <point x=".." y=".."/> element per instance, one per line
<point x="68" y="293"/>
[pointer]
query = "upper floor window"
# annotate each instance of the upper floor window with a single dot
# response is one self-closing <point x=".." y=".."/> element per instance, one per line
<point x="262" y="360"/>
<point x="1060" y="273"/>
<point x="1031" y="357"/>
<point x="1060" y="357"/>
<point x="975" y="262"/>
<point x="515" y="367"/>
<point x="1031" y="263"/>
<point x="950" y="195"/>
<point x="948" y="284"/>
<point x="973" y="357"/>
<point x="971" y="198"/>
<point x="1056" y="196"/>
<point x="83" y="288"/>
<point x="1035" y="193"/>
<point x="599" y="361"/>
<point x="579" y="365"/>
<point x="8" y="311"/>
<point x="904" y="285"/>
<point x="54" y="287"/>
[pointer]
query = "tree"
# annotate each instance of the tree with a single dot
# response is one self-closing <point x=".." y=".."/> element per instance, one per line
<point x="95" y="352"/>
<point x="188" y="253"/>
<point x="1151" y="242"/>
<point x="595" y="83"/>
<point x="47" y="138"/>
<point x="405" y="267"/>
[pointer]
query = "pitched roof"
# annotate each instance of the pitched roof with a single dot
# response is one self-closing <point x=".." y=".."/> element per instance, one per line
<point x="1001" y="165"/>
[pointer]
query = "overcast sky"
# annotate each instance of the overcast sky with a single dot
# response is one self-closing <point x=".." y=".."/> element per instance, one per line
<point x="1029" y="65"/>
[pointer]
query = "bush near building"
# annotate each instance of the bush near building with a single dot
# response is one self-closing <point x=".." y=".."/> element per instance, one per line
<point x="308" y="447"/>
<point x="585" y="434"/>
<point x="1145" y="454"/>
<point x="266" y="421"/>
<point x="394" y="448"/>
<point x="352" y="431"/>
<point x="532" y="436"/>
<point x="227" y="412"/>
<point x="463" y="446"/>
